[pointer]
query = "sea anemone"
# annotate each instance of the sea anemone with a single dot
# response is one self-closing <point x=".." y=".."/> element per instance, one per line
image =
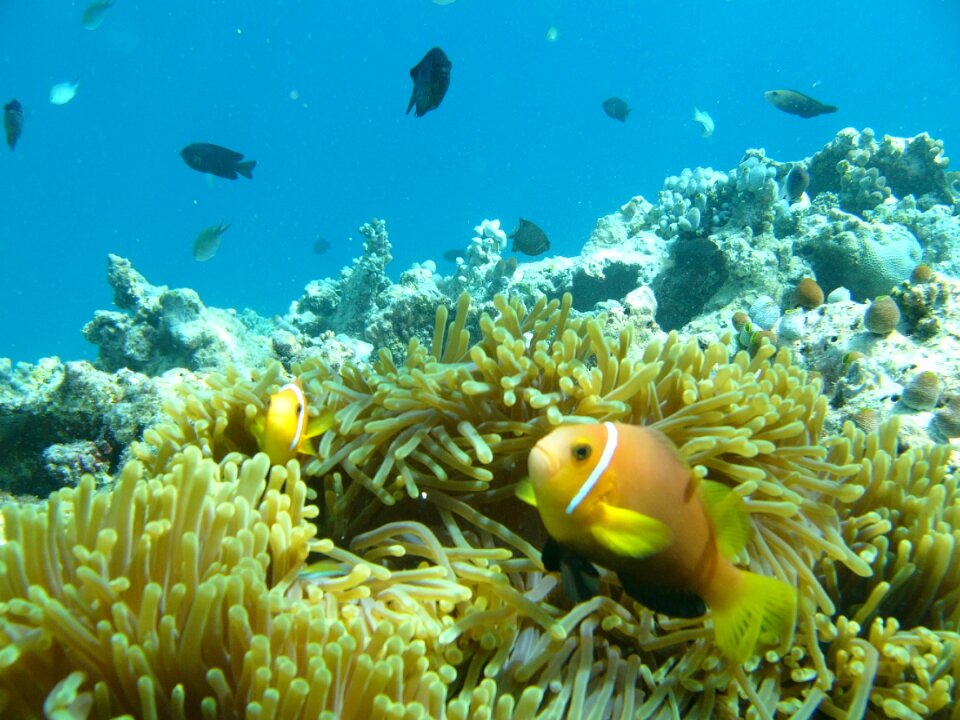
<point x="184" y="590"/>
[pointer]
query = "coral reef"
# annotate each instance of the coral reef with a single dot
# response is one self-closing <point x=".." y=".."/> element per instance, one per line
<point x="868" y="258"/>
<point x="865" y="172"/>
<point x="59" y="421"/>
<point x="389" y="572"/>
<point x="159" y="329"/>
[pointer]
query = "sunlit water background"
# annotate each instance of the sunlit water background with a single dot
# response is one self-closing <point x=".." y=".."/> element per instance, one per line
<point x="316" y="92"/>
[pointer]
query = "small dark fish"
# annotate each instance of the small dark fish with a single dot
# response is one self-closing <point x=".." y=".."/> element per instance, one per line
<point x="216" y="160"/>
<point x="321" y="245"/>
<point x="796" y="103"/>
<point x="796" y="183"/>
<point x="13" y="122"/>
<point x="431" y="78"/>
<point x="529" y="239"/>
<point x="208" y="241"/>
<point x="616" y="108"/>
<point x="452" y="255"/>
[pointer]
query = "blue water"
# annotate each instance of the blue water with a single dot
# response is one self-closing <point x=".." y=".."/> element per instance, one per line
<point x="316" y="92"/>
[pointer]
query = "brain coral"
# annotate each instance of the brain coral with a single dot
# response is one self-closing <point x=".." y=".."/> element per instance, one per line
<point x="869" y="258"/>
<point x="183" y="590"/>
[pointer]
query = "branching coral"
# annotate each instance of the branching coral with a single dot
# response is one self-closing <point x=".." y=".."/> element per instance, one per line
<point x="184" y="590"/>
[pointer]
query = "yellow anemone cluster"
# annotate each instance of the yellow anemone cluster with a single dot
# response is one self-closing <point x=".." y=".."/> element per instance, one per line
<point x="186" y="588"/>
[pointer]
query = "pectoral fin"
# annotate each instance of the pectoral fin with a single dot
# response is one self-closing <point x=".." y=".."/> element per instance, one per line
<point x="629" y="533"/>
<point x="320" y="424"/>
<point x="578" y="577"/>
<point x="316" y="426"/>
<point x="525" y="492"/>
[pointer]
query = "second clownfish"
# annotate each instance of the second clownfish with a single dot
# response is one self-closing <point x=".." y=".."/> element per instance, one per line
<point x="622" y="497"/>
<point x="286" y="429"/>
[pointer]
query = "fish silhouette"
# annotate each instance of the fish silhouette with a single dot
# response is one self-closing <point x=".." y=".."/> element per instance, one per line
<point x="431" y="78"/>
<point x="616" y="108"/>
<point x="796" y="103"/>
<point x="796" y="183"/>
<point x="216" y="160"/>
<point x="529" y="239"/>
<point x="13" y="122"/>
<point x="208" y="242"/>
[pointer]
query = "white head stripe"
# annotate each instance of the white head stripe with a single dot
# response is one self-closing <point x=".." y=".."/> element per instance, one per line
<point x="301" y="412"/>
<point x="602" y="464"/>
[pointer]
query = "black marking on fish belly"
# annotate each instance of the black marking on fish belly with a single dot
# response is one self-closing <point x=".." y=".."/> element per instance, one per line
<point x="675" y="603"/>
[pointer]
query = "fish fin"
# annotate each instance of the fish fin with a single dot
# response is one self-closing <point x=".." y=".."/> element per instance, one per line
<point x="320" y="424"/>
<point x="246" y="168"/>
<point x="412" y="98"/>
<point x="578" y="577"/>
<point x="672" y="602"/>
<point x="629" y="533"/>
<point x="765" y="611"/>
<point x="729" y="516"/>
<point x="524" y="491"/>
<point x="551" y="555"/>
<point x="256" y="427"/>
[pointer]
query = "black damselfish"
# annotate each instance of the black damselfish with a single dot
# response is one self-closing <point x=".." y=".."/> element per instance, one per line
<point x="431" y="78"/>
<point x="216" y="160"/>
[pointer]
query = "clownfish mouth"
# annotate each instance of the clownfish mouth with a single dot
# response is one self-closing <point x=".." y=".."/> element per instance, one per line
<point x="541" y="464"/>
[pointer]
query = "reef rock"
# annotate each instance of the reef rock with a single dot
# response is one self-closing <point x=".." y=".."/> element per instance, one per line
<point x="61" y="420"/>
<point x="157" y="329"/>
<point x="865" y="172"/>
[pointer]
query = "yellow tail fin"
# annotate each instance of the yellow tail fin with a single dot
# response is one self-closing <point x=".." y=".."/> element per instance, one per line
<point x="765" y="610"/>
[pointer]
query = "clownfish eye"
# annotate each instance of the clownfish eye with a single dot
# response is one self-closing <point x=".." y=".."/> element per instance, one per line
<point x="580" y="452"/>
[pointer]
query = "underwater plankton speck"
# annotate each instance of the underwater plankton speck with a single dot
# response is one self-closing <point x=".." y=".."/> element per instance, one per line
<point x="392" y="574"/>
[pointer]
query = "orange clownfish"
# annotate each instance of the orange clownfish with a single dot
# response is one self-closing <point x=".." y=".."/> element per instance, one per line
<point x="287" y="428"/>
<point x="622" y="497"/>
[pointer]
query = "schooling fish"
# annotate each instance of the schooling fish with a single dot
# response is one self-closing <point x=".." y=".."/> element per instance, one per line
<point x="431" y="78"/>
<point x="286" y="428"/>
<point x="208" y="241"/>
<point x="616" y="108"/>
<point x="621" y="496"/>
<point x="13" y="122"/>
<point x="796" y="103"/>
<point x="529" y="239"/>
<point x="217" y="160"/>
